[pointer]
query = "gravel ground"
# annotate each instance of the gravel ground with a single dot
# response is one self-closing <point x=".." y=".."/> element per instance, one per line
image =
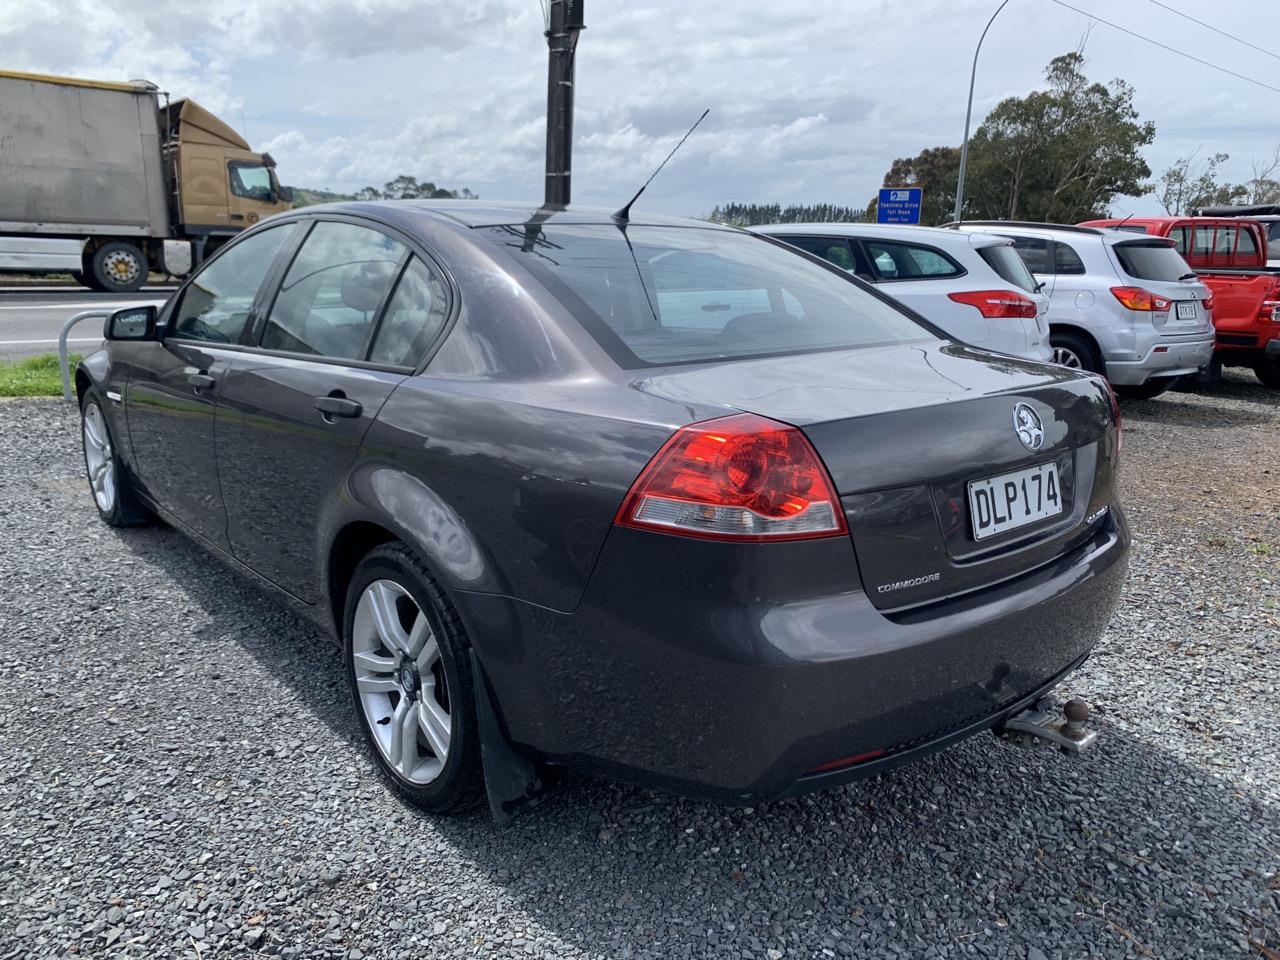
<point x="181" y="774"/>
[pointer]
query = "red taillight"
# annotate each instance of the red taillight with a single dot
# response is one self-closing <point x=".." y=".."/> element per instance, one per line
<point x="1135" y="298"/>
<point x="736" y="478"/>
<point x="998" y="304"/>
<point x="1270" y="311"/>
<point x="1209" y="305"/>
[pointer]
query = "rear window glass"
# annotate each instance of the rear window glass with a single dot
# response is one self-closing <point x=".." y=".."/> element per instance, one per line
<point x="654" y="296"/>
<point x="1148" y="261"/>
<point x="1008" y="263"/>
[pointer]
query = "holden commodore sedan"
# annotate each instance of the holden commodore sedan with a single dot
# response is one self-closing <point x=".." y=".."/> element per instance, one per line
<point x="657" y="498"/>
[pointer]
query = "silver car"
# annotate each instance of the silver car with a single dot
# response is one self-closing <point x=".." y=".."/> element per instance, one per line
<point x="1121" y="304"/>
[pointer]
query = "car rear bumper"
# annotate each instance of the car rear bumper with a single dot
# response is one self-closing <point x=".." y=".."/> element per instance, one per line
<point x="736" y="671"/>
<point x="1167" y="358"/>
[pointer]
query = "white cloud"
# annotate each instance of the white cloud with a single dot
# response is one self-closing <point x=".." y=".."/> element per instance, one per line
<point x="809" y="102"/>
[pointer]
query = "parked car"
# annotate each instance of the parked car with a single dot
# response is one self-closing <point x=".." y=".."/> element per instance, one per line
<point x="1230" y="256"/>
<point x="977" y="290"/>
<point x="560" y="485"/>
<point x="1123" y="305"/>
<point x="1268" y="215"/>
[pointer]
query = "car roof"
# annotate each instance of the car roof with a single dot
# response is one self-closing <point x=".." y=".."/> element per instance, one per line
<point x="936" y="235"/>
<point x="488" y="213"/>
<point x="1063" y="231"/>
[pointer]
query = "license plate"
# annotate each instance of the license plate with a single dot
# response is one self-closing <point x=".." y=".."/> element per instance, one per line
<point x="1012" y="500"/>
<point x="1186" y="311"/>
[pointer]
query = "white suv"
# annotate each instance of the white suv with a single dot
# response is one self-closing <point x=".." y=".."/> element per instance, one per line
<point x="976" y="288"/>
<point x="1122" y="304"/>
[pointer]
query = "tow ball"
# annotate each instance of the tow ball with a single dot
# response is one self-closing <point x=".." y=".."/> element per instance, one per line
<point x="1045" y="725"/>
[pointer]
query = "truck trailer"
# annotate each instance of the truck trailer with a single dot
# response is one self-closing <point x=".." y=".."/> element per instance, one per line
<point x="107" y="182"/>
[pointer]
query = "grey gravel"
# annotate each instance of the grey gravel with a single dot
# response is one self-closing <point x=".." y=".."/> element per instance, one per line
<point x="181" y="775"/>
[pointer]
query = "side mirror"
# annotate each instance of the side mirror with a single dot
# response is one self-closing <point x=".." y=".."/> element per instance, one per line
<point x="286" y="194"/>
<point x="132" y="323"/>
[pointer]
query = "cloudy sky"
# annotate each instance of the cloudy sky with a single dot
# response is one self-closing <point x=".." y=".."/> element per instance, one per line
<point x="810" y="102"/>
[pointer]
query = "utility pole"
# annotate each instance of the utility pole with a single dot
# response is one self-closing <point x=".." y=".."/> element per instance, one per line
<point x="564" y="23"/>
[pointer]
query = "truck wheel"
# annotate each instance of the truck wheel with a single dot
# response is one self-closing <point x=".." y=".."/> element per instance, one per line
<point x="119" y="267"/>
<point x="1075" y="352"/>
<point x="1268" y="372"/>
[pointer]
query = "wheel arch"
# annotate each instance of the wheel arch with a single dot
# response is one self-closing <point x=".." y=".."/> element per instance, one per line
<point x="1083" y="334"/>
<point x="349" y="546"/>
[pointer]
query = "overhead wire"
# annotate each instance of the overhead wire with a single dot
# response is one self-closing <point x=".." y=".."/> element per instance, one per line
<point x="1165" y="46"/>
<point x="1209" y="26"/>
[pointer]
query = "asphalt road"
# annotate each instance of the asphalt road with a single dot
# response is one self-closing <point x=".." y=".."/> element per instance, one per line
<point x="32" y="317"/>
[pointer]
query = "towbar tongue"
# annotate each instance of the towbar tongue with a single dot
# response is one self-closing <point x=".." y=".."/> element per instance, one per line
<point x="1046" y="725"/>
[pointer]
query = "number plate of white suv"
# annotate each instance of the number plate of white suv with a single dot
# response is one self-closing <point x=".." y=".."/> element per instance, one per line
<point x="1012" y="500"/>
<point x="1187" y="310"/>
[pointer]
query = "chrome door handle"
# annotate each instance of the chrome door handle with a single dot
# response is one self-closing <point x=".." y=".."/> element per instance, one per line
<point x="332" y="406"/>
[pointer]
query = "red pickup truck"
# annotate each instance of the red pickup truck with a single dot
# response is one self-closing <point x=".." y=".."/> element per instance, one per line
<point x="1230" y="255"/>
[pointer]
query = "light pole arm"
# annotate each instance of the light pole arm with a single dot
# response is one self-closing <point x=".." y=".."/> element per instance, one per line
<point x="968" y="116"/>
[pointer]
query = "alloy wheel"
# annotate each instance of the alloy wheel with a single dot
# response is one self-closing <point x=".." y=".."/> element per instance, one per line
<point x="99" y="458"/>
<point x="1067" y="358"/>
<point x="401" y="681"/>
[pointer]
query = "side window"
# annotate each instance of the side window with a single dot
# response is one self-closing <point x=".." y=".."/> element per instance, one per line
<point x="1224" y="244"/>
<point x="1035" y="253"/>
<point x="1066" y="260"/>
<point x="414" y="318"/>
<point x="1181" y="239"/>
<point x="907" y="261"/>
<point x="1248" y="247"/>
<point x="249" y="180"/>
<point x="332" y="291"/>
<point x="830" y="249"/>
<point x="216" y="303"/>
<point x="1202" y="242"/>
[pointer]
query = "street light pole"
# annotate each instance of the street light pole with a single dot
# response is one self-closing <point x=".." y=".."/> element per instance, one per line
<point x="968" y="115"/>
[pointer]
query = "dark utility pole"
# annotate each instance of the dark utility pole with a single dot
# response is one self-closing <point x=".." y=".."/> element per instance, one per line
<point x="565" y="20"/>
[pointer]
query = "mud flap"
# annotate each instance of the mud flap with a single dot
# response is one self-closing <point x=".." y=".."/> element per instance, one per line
<point x="513" y="782"/>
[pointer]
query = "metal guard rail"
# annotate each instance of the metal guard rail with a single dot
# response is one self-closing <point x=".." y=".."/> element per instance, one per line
<point x="62" y="345"/>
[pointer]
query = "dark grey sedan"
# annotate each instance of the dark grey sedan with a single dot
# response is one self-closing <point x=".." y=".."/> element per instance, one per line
<point x="656" y="498"/>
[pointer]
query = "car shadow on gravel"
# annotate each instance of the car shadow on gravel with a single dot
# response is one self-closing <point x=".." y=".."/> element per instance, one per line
<point x="1129" y="850"/>
<point x="1198" y="416"/>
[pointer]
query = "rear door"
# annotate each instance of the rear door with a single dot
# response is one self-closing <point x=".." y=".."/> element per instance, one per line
<point x="919" y="276"/>
<point x="353" y="314"/>
<point x="172" y="395"/>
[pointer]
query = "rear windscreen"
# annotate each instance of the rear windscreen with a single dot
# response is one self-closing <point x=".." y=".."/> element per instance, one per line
<point x="1008" y="263"/>
<point x="1151" y="261"/>
<point x="663" y="295"/>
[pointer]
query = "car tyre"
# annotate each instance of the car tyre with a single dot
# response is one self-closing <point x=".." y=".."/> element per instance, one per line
<point x="1267" y="371"/>
<point x="118" y="267"/>
<point x="1074" y="351"/>
<point x="408" y="667"/>
<point x="1147" y="391"/>
<point x="117" y="504"/>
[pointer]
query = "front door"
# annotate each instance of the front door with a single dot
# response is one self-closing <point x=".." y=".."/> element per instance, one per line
<point x="339" y="337"/>
<point x="171" y="398"/>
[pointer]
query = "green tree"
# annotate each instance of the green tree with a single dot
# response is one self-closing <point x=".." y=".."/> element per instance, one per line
<point x="1058" y="154"/>
<point x="1190" y="184"/>
<point x="756" y="214"/>
<point x="935" y="171"/>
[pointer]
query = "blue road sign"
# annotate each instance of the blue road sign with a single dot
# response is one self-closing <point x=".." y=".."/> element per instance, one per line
<point x="899" y="205"/>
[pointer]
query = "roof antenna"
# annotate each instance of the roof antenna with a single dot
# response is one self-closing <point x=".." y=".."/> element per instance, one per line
<point x="625" y="213"/>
